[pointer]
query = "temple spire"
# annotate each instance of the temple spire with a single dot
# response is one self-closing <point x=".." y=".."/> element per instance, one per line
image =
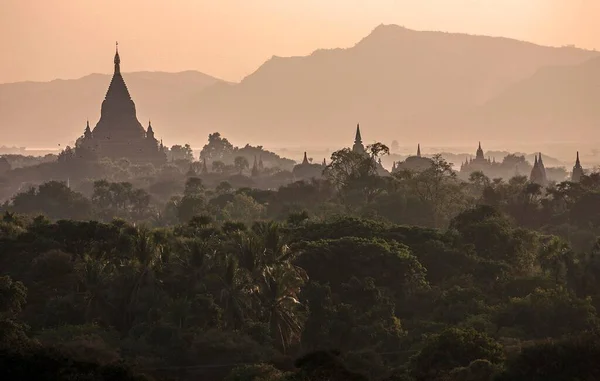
<point x="538" y="173"/>
<point x="150" y="131"/>
<point x="479" y="153"/>
<point x="305" y="160"/>
<point x="577" y="170"/>
<point x="88" y="132"/>
<point x="117" y="60"/>
<point x="358" y="146"/>
<point x="418" y="150"/>
<point x="357" y="138"/>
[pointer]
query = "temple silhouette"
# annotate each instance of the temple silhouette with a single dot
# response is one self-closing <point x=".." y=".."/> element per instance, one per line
<point x="577" y="170"/>
<point x="415" y="163"/>
<point x="538" y="172"/>
<point x="480" y="163"/>
<point x="118" y="134"/>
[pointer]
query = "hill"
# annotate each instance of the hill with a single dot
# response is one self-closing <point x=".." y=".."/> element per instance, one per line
<point x="398" y="83"/>
<point x="45" y="114"/>
<point x="561" y="101"/>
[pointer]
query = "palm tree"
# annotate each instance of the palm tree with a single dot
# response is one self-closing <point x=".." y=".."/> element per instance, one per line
<point x="94" y="276"/>
<point x="145" y="264"/>
<point x="279" y="294"/>
<point x="179" y="310"/>
<point x="234" y="294"/>
<point x="192" y="262"/>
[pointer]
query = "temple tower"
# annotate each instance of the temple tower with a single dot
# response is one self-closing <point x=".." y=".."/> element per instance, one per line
<point x="358" y="145"/>
<point x="305" y="160"/>
<point x="538" y="172"/>
<point x="118" y="133"/>
<point x="577" y="170"/>
<point x="479" y="153"/>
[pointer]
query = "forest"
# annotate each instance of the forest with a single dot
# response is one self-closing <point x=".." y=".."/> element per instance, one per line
<point x="416" y="276"/>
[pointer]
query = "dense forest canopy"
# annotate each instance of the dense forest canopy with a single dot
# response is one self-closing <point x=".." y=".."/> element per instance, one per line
<point x="180" y="273"/>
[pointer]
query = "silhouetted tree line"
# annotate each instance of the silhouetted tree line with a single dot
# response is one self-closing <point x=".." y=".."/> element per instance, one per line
<point x="354" y="276"/>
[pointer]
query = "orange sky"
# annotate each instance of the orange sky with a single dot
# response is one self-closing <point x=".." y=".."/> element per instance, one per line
<point x="47" y="39"/>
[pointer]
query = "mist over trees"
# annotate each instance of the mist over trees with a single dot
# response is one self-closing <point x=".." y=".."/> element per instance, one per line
<point x="125" y="258"/>
<point x="231" y="268"/>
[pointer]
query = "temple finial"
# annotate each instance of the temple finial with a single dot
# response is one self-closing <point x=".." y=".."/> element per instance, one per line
<point x="117" y="59"/>
<point x="305" y="160"/>
<point x="577" y="160"/>
<point x="358" y="138"/>
<point x="418" y="150"/>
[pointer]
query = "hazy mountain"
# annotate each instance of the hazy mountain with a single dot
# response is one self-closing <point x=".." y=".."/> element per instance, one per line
<point x="557" y="103"/>
<point x="44" y="114"/>
<point x="398" y="83"/>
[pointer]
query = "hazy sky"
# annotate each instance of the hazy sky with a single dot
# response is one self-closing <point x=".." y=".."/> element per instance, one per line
<point x="47" y="39"/>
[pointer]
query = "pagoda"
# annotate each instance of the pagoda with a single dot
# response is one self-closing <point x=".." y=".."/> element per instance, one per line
<point x="538" y="172"/>
<point x="118" y="134"/>
<point x="577" y="170"/>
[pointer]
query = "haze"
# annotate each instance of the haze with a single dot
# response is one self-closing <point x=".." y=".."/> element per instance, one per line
<point x="44" y="40"/>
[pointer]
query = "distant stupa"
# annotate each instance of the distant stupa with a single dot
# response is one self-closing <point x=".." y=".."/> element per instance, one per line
<point x="118" y="133"/>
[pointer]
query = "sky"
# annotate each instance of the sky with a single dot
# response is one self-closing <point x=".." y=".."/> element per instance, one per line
<point x="48" y="39"/>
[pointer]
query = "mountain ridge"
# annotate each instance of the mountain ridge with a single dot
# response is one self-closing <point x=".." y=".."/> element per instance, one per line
<point x="398" y="83"/>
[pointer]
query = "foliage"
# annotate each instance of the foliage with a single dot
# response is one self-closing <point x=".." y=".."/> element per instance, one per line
<point x="184" y="273"/>
<point x="452" y="349"/>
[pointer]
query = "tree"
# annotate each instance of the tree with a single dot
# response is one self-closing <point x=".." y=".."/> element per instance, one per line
<point x="193" y="202"/>
<point x="178" y="152"/>
<point x="218" y="166"/>
<point x="325" y="365"/>
<point x="452" y="349"/>
<point x="258" y="372"/>
<point x="355" y="174"/>
<point x="390" y="263"/>
<point x="240" y="163"/>
<point x="31" y="364"/>
<point x="243" y="208"/>
<point x="547" y="313"/>
<point x="224" y="187"/>
<point x="570" y="359"/>
<point x="494" y="238"/>
<point x="438" y="187"/>
<point x="279" y="290"/>
<point x="53" y="199"/>
<point x="12" y="297"/>
<point x="120" y="200"/>
<point x="217" y="148"/>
